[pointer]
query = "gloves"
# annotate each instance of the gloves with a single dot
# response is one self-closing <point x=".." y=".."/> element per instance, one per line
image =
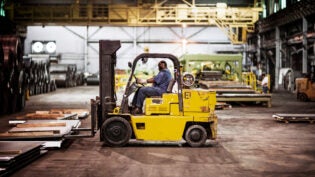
<point x="141" y="81"/>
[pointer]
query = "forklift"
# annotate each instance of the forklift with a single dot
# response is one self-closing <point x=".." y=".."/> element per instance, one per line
<point x="305" y="86"/>
<point x="187" y="114"/>
<point x="305" y="89"/>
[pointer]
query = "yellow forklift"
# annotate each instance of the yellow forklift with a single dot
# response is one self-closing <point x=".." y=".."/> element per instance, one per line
<point x="187" y="114"/>
<point x="305" y="89"/>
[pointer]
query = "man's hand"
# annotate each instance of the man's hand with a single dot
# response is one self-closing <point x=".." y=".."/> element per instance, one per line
<point x="141" y="81"/>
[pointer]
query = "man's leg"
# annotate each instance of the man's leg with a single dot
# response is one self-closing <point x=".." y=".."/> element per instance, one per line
<point x="265" y="89"/>
<point x="145" y="92"/>
<point x="134" y="100"/>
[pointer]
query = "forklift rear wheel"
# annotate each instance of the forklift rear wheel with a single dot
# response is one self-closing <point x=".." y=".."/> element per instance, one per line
<point x="303" y="97"/>
<point x="116" y="131"/>
<point x="196" y="136"/>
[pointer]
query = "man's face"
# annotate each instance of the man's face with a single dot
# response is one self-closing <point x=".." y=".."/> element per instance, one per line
<point x="161" y="66"/>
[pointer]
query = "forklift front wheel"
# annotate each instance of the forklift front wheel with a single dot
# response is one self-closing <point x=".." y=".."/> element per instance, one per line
<point x="196" y="135"/>
<point x="116" y="131"/>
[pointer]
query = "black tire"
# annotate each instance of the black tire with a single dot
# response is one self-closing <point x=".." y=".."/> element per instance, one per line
<point x="303" y="97"/>
<point x="116" y="131"/>
<point x="196" y="135"/>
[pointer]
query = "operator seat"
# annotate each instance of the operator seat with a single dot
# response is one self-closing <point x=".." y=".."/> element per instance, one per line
<point x="168" y="90"/>
<point x="170" y="86"/>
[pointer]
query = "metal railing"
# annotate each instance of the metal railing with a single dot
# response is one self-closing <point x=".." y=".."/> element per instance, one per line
<point x="230" y="19"/>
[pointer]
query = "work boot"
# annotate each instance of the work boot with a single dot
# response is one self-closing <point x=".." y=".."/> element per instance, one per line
<point x="131" y="109"/>
<point x="137" y="111"/>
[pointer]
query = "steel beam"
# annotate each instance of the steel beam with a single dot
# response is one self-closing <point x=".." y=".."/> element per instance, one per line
<point x="304" y="48"/>
<point x="278" y="58"/>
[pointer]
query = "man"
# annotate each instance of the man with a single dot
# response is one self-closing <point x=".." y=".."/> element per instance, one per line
<point x="160" y="83"/>
<point x="264" y="83"/>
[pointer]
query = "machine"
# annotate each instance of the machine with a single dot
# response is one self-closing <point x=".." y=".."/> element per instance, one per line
<point x="186" y="114"/>
<point x="305" y="89"/>
<point x="223" y="67"/>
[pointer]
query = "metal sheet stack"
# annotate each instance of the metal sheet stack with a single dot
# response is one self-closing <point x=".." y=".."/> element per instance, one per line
<point x="12" y="75"/>
<point x="17" y="154"/>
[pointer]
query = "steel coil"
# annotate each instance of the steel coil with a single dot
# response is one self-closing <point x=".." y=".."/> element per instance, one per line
<point x="79" y="78"/>
<point x="64" y="75"/>
<point x="93" y="79"/>
<point x="12" y="69"/>
<point x="1" y="79"/>
<point x="38" y="76"/>
<point x="20" y="77"/>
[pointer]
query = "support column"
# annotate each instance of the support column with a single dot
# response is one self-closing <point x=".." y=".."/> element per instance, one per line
<point x="244" y="60"/>
<point x="86" y="46"/>
<point x="258" y="48"/>
<point x="304" y="56"/>
<point x="278" y="58"/>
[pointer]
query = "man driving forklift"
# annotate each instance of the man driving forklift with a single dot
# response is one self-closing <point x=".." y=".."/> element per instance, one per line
<point x="159" y="86"/>
<point x="186" y="115"/>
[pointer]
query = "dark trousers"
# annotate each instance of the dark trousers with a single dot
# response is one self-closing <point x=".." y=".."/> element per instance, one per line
<point x="142" y="93"/>
<point x="265" y="89"/>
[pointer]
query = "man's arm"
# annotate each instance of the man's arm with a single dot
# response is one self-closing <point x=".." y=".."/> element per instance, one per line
<point x="156" y="79"/>
<point x="151" y="80"/>
<point x="144" y="81"/>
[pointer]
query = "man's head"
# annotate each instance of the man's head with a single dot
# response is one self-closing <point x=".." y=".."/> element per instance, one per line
<point x="162" y="65"/>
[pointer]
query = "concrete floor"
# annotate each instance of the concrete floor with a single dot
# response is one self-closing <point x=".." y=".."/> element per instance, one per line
<point x="250" y="143"/>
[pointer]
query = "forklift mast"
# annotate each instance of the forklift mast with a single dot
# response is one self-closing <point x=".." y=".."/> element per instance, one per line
<point x="107" y="63"/>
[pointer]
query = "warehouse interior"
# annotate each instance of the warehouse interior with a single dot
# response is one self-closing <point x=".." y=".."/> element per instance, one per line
<point x="68" y="71"/>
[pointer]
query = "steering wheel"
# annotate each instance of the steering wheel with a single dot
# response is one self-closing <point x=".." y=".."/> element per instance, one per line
<point x="133" y="87"/>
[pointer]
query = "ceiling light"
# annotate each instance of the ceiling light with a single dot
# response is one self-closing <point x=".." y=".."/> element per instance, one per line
<point x="37" y="47"/>
<point x="51" y="47"/>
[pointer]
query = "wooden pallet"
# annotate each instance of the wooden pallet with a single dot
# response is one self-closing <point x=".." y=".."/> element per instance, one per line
<point x="287" y="118"/>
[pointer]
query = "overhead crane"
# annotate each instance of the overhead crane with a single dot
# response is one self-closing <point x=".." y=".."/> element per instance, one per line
<point x="236" y="22"/>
